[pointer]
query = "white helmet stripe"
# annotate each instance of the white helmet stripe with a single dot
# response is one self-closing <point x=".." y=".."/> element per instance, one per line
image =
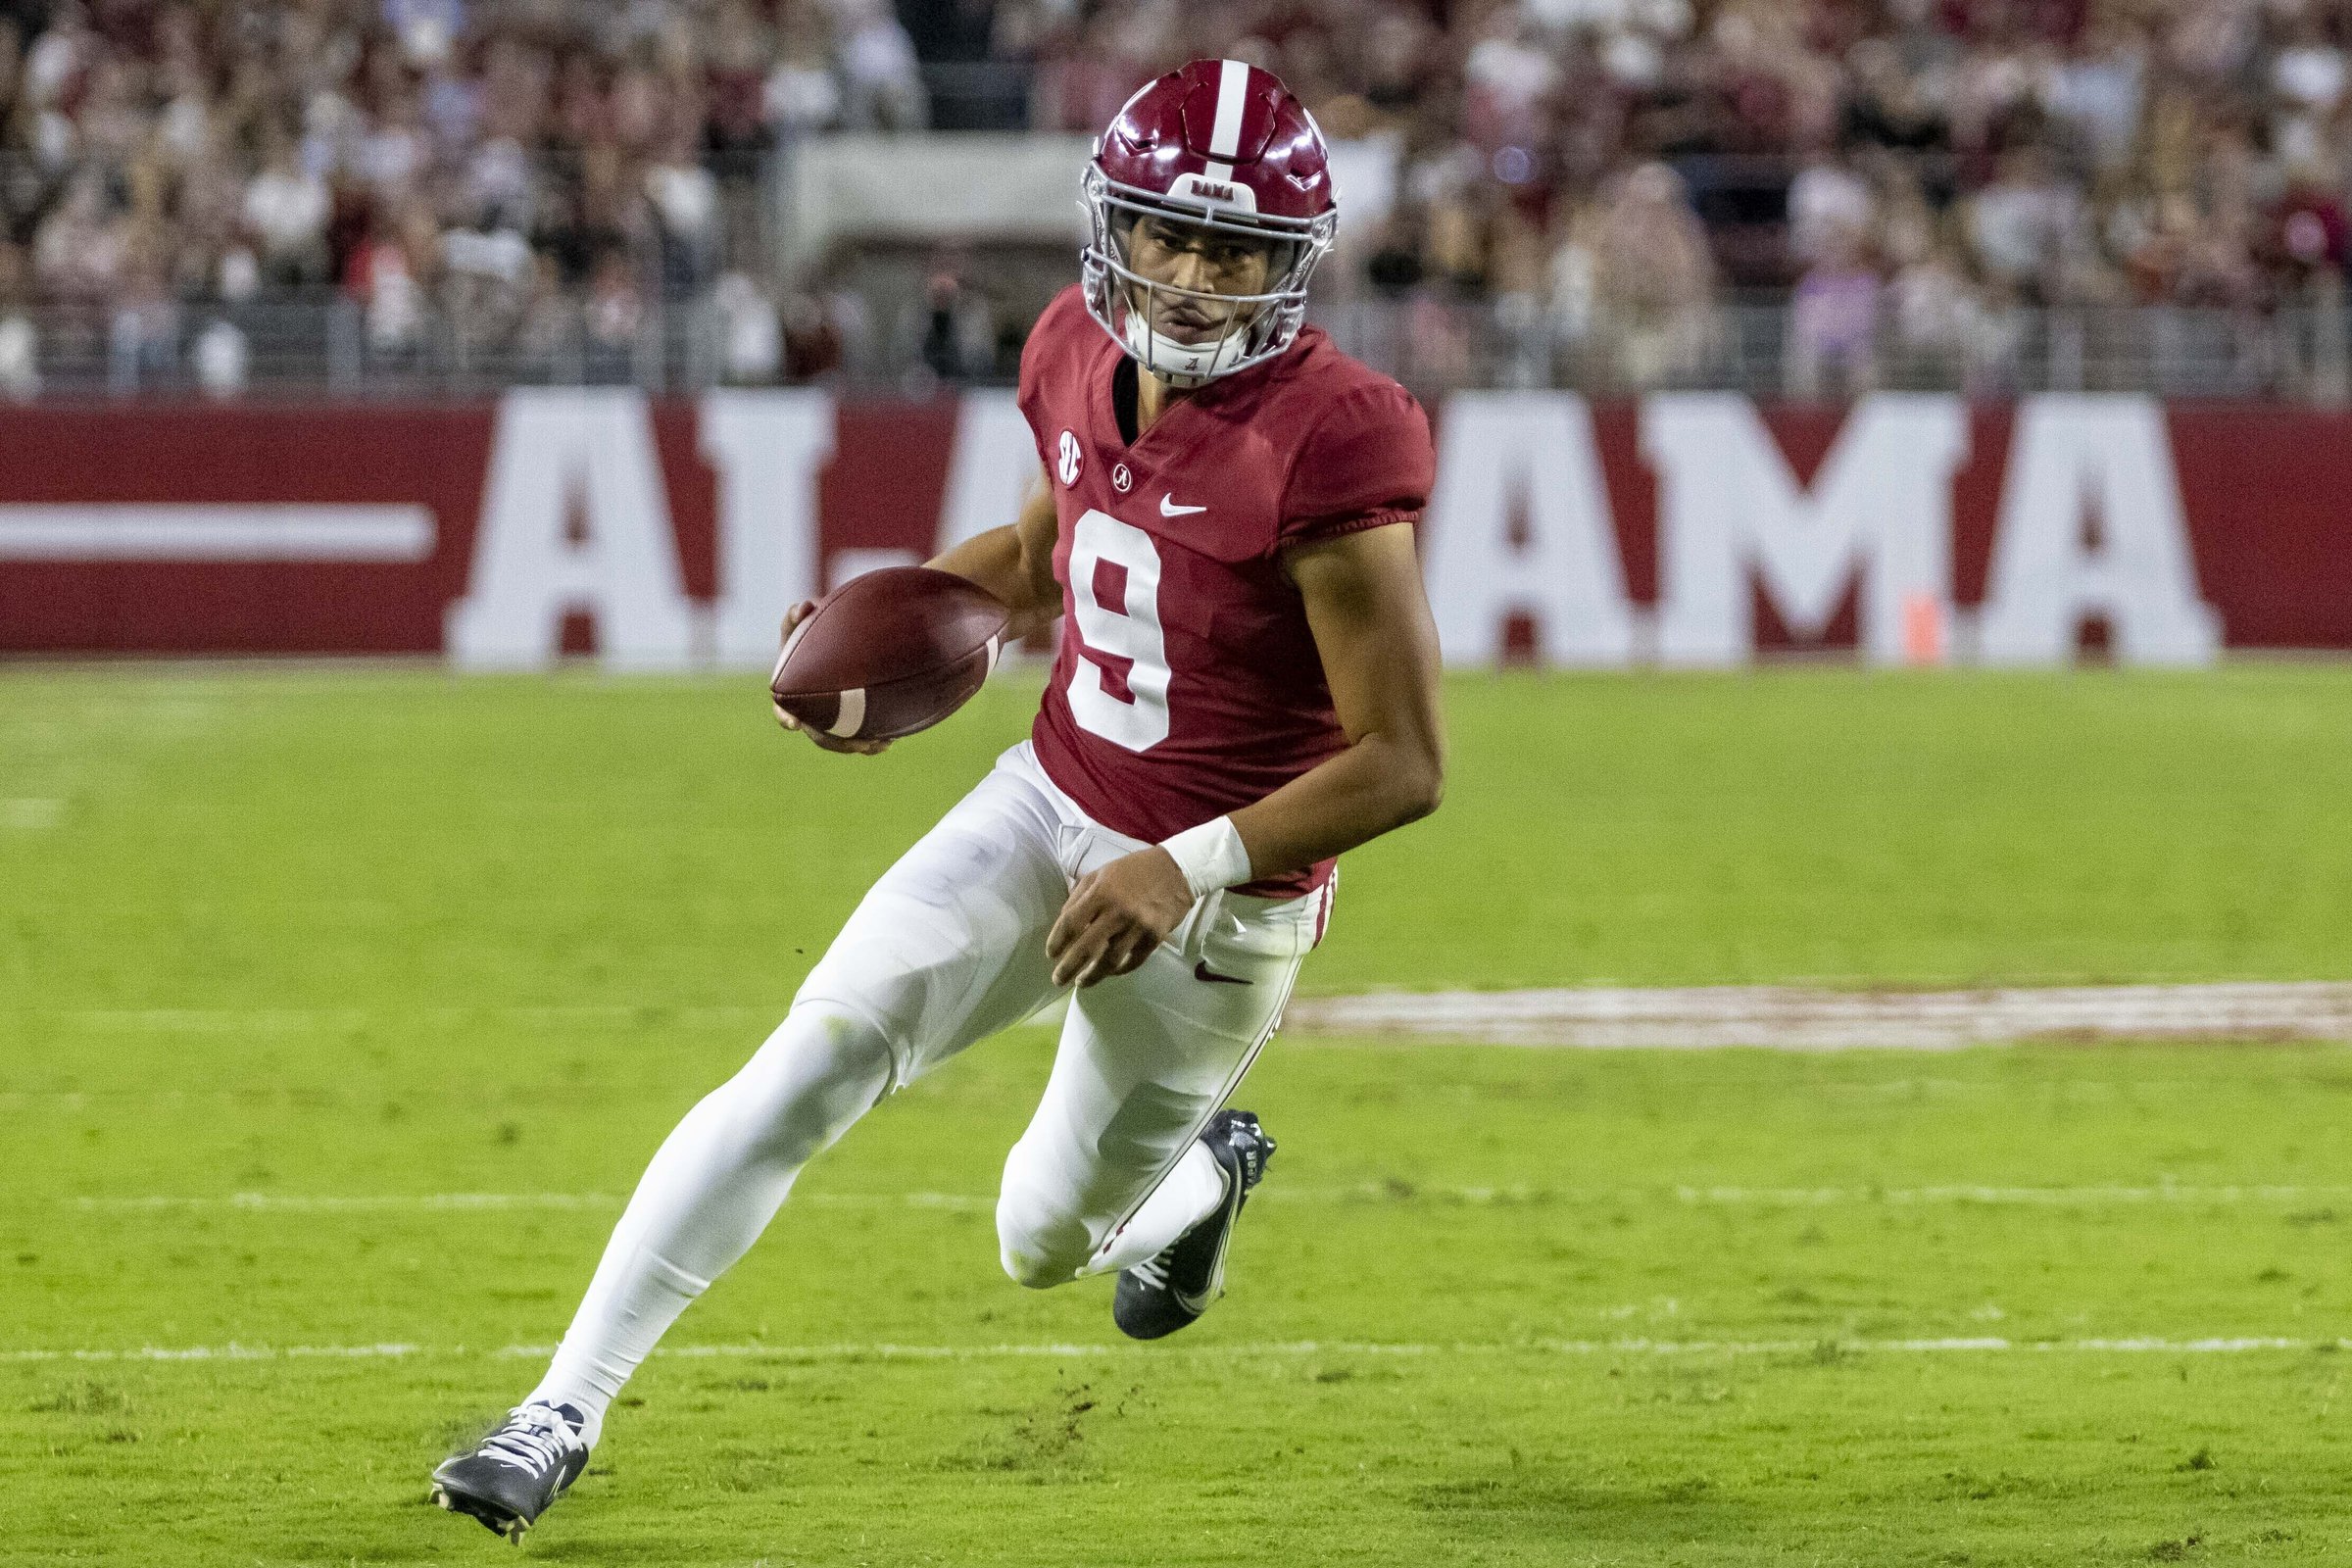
<point x="1232" y="95"/>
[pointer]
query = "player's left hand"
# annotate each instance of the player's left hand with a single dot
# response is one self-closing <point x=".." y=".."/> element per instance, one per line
<point x="824" y="741"/>
<point x="1116" y="915"/>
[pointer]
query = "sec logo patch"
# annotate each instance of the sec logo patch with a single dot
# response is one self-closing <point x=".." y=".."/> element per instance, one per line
<point x="1067" y="465"/>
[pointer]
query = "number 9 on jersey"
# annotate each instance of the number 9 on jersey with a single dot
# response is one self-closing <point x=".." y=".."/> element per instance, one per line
<point x="1124" y="631"/>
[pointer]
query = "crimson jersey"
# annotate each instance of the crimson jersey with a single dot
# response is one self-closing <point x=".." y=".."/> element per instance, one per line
<point x="1187" y="684"/>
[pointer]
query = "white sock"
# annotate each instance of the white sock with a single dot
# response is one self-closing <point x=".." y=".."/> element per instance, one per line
<point x="711" y="1188"/>
<point x="1186" y="1196"/>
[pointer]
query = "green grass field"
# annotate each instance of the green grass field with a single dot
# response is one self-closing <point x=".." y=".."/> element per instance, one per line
<point x="338" y="1011"/>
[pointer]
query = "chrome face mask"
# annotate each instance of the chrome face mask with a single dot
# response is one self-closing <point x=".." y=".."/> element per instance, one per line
<point x="1249" y="329"/>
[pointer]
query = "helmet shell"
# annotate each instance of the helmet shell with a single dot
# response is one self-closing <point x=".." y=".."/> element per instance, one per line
<point x="1221" y="123"/>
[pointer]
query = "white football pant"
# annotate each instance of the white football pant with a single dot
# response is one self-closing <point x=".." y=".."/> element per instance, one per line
<point x="947" y="949"/>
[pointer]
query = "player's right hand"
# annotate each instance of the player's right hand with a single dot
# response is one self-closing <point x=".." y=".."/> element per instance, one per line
<point x="824" y="741"/>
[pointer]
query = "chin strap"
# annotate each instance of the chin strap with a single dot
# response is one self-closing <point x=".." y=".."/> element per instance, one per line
<point x="1181" y="365"/>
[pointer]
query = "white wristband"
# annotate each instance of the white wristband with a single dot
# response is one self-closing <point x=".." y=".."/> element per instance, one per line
<point x="1211" y="856"/>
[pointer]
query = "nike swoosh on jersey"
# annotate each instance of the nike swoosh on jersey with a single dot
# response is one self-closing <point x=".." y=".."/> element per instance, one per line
<point x="1201" y="971"/>
<point x="1169" y="509"/>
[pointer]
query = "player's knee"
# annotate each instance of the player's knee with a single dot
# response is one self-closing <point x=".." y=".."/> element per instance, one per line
<point x="1039" y="1247"/>
<point x="1032" y="1270"/>
<point x="822" y="1068"/>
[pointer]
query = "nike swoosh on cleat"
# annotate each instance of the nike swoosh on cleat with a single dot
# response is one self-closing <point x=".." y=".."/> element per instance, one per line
<point x="1201" y="971"/>
<point x="1169" y="509"/>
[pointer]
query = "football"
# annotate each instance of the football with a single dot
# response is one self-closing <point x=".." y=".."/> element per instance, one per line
<point x="888" y="652"/>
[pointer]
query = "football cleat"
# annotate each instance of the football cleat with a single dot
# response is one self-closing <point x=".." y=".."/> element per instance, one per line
<point x="517" y="1472"/>
<point x="1165" y="1292"/>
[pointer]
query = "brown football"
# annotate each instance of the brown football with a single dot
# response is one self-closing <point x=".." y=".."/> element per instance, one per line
<point x="888" y="652"/>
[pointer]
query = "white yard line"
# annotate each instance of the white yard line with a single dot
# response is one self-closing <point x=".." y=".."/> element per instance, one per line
<point x="1794" y="1018"/>
<point x="1691" y="1018"/>
<point x="2214" y="1345"/>
<point x="31" y="816"/>
<point x="298" y="1020"/>
<point x="338" y="1203"/>
<point x="1363" y="1194"/>
<point x="2056" y="1197"/>
<point x="426" y="1202"/>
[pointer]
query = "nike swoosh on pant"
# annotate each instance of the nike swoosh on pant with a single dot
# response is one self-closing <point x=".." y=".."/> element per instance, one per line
<point x="1201" y="971"/>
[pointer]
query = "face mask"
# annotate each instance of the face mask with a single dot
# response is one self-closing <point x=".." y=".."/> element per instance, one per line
<point x="1111" y="289"/>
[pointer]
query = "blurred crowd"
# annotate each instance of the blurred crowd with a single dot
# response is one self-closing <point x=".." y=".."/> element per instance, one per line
<point x="533" y="176"/>
<point x="1915" y="175"/>
<point x="1612" y="175"/>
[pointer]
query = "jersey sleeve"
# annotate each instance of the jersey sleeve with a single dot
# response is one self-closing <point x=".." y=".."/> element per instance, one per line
<point x="1367" y="461"/>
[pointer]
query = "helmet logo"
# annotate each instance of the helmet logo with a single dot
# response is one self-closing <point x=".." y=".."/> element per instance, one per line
<point x="1067" y="465"/>
<point x="1121" y="480"/>
<point x="1215" y="192"/>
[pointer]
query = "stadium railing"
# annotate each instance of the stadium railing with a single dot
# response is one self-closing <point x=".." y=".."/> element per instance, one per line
<point x="1768" y="348"/>
<point x="332" y="343"/>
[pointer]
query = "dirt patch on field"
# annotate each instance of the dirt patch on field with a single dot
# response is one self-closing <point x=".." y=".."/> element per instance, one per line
<point x="1788" y="1018"/>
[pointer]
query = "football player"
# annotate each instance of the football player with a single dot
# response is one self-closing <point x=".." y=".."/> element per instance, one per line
<point x="1247" y="686"/>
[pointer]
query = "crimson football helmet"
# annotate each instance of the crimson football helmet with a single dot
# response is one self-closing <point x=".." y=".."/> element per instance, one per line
<point x="1224" y="146"/>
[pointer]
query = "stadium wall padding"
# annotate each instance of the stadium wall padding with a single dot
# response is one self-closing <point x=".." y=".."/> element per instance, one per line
<point x="1693" y="529"/>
